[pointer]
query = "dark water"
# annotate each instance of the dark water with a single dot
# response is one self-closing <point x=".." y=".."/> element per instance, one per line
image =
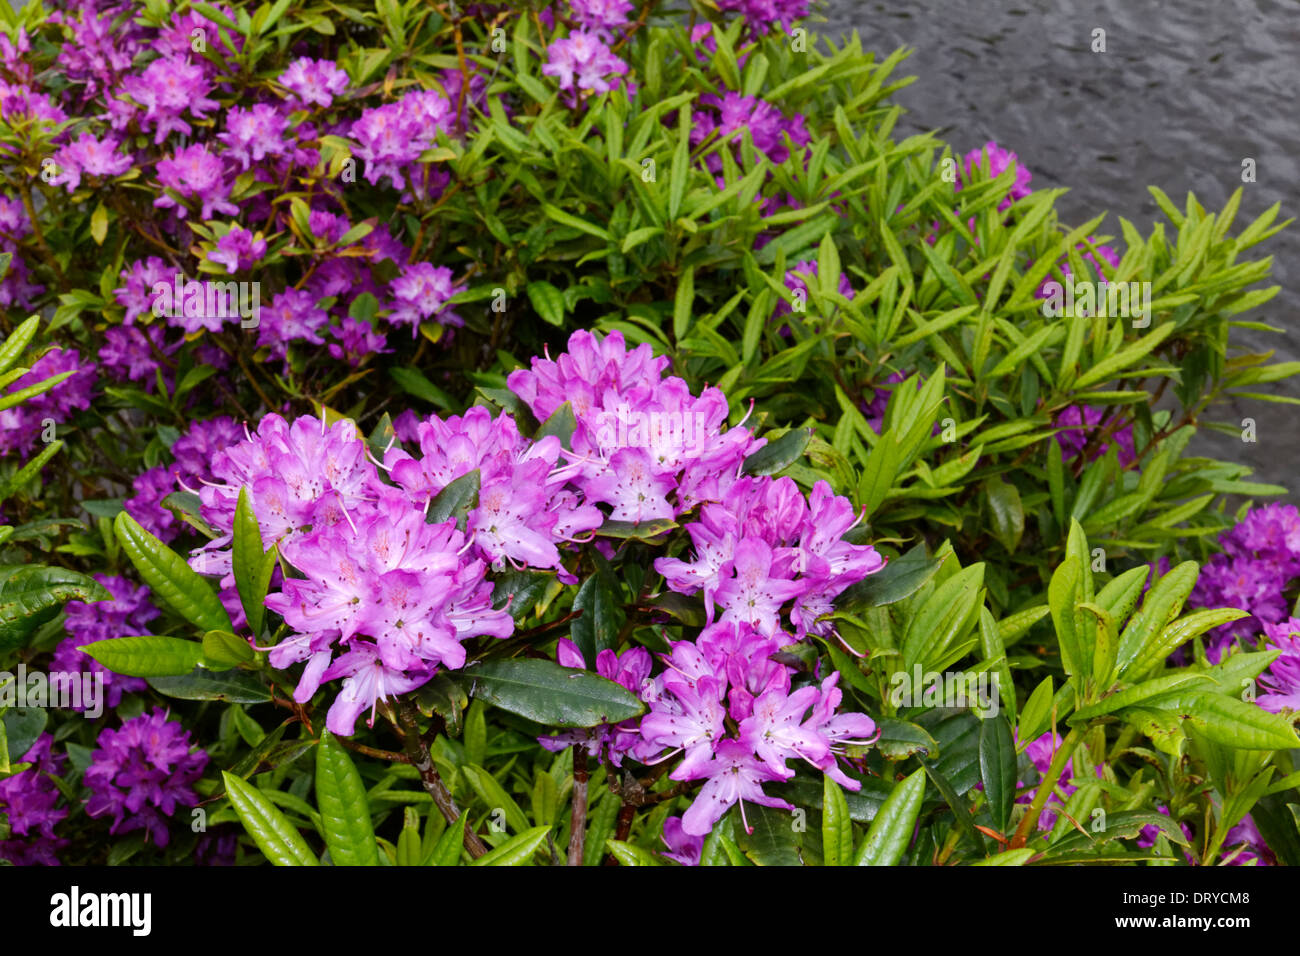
<point x="1184" y="92"/>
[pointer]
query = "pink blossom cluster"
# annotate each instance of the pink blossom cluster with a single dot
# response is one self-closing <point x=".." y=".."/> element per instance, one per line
<point x="643" y="445"/>
<point x="765" y="547"/>
<point x="583" y="61"/>
<point x="525" y="508"/>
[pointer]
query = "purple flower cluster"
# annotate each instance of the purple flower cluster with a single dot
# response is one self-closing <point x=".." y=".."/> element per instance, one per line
<point x="390" y="139"/>
<point x="731" y="116"/>
<point x="15" y="289"/>
<point x="391" y="594"/>
<point x="583" y="61"/>
<point x="1261" y="556"/>
<point x="128" y="614"/>
<point x="29" y="803"/>
<point x="600" y="17"/>
<point x="1077" y="424"/>
<point x="731" y="710"/>
<point x="994" y="160"/>
<point x="761" y="15"/>
<point x="798" y="280"/>
<point x="728" y="679"/>
<point x="22" y="425"/>
<point x="765" y="546"/>
<point x="524" y="508"/>
<point x="194" y="454"/>
<point x="644" y="445"/>
<point x="141" y="773"/>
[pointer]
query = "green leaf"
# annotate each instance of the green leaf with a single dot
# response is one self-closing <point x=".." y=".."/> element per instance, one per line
<point x="837" y="827"/>
<point x="901" y="738"/>
<point x="32" y="595"/>
<point x="517" y="851"/>
<point x="277" y="838"/>
<point x="22" y="727"/>
<point x="582" y="225"/>
<point x="998" y="769"/>
<point x="944" y="617"/>
<point x="252" y="563"/>
<point x="224" y="649"/>
<point x="447" y="850"/>
<point x="641" y="530"/>
<point x="344" y="809"/>
<point x="1007" y="858"/>
<point x="1174" y="635"/>
<point x="414" y="382"/>
<point x="597" y="627"/>
<point x="233" y="686"/>
<point x="494" y="796"/>
<point x="1036" y="713"/>
<point x="561" y="424"/>
<point x="548" y="301"/>
<point x="629" y="854"/>
<point x="1122" y="824"/>
<point x="778" y="454"/>
<point x="1161" y="605"/>
<point x="19" y="338"/>
<point x="170" y="577"/>
<point x="899" y="579"/>
<point x="1228" y="721"/>
<point x="891" y="830"/>
<point x="549" y="694"/>
<point x="682" y="302"/>
<point x="1063" y="593"/>
<point x="456" y="500"/>
<point x="146" y="655"/>
<point x="1006" y="511"/>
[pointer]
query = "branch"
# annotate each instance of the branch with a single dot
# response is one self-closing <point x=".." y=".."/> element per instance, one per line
<point x="433" y="785"/>
<point x="578" y="817"/>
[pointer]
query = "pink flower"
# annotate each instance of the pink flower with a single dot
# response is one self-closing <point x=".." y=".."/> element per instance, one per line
<point x="91" y="157"/>
<point x="194" y="173"/>
<point x="582" y="61"/>
<point x="314" y="81"/>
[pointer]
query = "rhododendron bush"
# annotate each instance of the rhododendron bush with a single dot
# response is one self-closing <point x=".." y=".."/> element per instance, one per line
<point x="584" y="432"/>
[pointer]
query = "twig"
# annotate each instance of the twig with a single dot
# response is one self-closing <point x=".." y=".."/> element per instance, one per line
<point x="578" y="817"/>
<point x="433" y="785"/>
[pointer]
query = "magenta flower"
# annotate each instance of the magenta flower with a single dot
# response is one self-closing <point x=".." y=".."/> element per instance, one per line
<point x="167" y="89"/>
<point x="600" y="17"/>
<point x="238" y="249"/>
<point x="314" y="81"/>
<point x="421" y="293"/>
<point x="136" y="293"/>
<point x="253" y="134"/>
<point x="734" y="775"/>
<point x="194" y="173"/>
<point x="29" y="804"/>
<point x="90" y="157"/>
<point x="995" y="160"/>
<point x="582" y="61"/>
<point x="1076" y="424"/>
<point x="128" y="353"/>
<point x="733" y="116"/>
<point x="128" y="613"/>
<point x="141" y="773"/>
<point x="292" y="316"/>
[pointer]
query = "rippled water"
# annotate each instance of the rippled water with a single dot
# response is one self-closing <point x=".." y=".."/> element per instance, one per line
<point x="1184" y="92"/>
